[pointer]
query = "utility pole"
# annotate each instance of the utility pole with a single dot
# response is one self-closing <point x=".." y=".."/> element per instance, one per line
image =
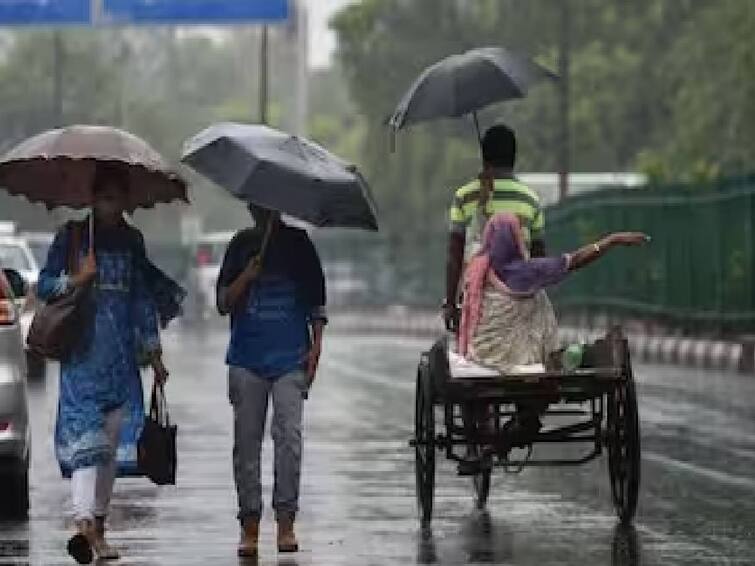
<point x="122" y="58"/>
<point x="564" y="159"/>
<point x="58" y="60"/>
<point x="302" y="70"/>
<point x="264" y="78"/>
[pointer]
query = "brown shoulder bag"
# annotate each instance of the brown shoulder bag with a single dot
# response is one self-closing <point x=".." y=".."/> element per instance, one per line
<point x="60" y="324"/>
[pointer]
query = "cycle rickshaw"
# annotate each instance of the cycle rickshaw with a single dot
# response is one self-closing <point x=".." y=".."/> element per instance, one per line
<point x="598" y="400"/>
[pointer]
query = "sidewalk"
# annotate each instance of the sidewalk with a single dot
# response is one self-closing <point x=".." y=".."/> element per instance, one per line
<point x="685" y="351"/>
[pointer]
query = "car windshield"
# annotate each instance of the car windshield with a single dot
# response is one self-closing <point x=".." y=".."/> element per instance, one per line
<point x="13" y="257"/>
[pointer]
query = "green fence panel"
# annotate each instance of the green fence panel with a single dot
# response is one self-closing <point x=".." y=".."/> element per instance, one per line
<point x="698" y="271"/>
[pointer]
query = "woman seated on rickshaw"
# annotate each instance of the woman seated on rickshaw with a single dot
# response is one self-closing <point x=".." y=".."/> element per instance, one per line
<point x="507" y="319"/>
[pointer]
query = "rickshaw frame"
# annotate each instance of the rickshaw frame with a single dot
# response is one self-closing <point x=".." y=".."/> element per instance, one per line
<point x="602" y="395"/>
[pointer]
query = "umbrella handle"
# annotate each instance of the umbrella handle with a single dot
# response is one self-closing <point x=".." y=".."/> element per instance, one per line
<point x="271" y="223"/>
<point x="477" y="127"/>
<point x="274" y="218"/>
<point x="91" y="231"/>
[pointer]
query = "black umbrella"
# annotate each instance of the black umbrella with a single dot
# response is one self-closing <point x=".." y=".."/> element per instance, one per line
<point x="464" y="84"/>
<point x="283" y="172"/>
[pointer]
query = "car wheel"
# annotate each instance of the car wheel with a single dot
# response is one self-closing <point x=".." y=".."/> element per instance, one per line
<point x="16" y="497"/>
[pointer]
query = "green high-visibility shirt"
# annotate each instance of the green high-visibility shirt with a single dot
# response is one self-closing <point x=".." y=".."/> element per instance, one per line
<point x="508" y="195"/>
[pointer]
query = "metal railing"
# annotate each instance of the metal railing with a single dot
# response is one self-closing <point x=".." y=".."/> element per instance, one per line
<point x="699" y="270"/>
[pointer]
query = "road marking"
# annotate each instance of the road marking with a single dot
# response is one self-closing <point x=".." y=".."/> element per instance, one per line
<point x="380" y="378"/>
<point x="715" y="475"/>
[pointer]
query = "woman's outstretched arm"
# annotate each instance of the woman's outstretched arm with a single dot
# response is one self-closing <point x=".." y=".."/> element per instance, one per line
<point x="588" y="254"/>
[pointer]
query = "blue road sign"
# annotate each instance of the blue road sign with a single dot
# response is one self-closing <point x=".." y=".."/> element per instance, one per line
<point x="44" y="12"/>
<point x="179" y="12"/>
<point x="192" y="11"/>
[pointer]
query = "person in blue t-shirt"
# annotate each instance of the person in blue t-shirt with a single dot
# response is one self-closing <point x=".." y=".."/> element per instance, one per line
<point x="272" y="285"/>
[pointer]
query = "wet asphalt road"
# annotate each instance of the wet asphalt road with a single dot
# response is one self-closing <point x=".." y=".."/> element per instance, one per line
<point x="697" y="502"/>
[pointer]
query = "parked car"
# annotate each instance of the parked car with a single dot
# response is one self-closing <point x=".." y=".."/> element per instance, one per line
<point x="208" y="252"/>
<point x="27" y="255"/>
<point x="39" y="243"/>
<point x="345" y="287"/>
<point x="15" y="436"/>
<point x="16" y="254"/>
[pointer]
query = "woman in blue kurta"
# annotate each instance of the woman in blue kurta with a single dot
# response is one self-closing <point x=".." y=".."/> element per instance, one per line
<point x="100" y="409"/>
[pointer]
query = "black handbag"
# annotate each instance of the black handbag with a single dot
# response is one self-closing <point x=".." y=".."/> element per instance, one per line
<point x="60" y="324"/>
<point x="157" y="457"/>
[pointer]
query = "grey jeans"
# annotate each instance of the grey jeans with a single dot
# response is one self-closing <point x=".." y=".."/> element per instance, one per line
<point x="249" y="395"/>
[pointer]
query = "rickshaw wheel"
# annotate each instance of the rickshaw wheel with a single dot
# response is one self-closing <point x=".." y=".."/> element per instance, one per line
<point x="624" y="444"/>
<point x="424" y="447"/>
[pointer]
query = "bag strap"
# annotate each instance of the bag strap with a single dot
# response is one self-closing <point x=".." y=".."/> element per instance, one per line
<point x="158" y="405"/>
<point x="153" y="402"/>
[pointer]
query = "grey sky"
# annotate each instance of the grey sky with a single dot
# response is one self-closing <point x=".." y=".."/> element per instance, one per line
<point x="321" y="40"/>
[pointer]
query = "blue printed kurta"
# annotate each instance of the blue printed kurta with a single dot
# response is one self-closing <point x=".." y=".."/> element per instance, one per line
<point x="103" y="373"/>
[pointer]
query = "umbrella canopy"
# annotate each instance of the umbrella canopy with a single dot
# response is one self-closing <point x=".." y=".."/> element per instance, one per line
<point x="57" y="167"/>
<point x="283" y="172"/>
<point x="463" y="84"/>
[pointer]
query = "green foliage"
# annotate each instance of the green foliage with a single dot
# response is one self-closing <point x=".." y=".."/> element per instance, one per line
<point x="162" y="84"/>
<point x="659" y="86"/>
<point x="27" y="83"/>
<point x="713" y="92"/>
<point x="665" y="88"/>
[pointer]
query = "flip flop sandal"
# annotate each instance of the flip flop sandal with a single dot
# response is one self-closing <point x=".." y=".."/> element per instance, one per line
<point x="80" y="549"/>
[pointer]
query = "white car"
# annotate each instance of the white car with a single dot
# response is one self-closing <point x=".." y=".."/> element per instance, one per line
<point x="345" y="287"/>
<point x="15" y="437"/>
<point x="39" y="244"/>
<point x="209" y="250"/>
<point x="21" y="254"/>
<point x="16" y="254"/>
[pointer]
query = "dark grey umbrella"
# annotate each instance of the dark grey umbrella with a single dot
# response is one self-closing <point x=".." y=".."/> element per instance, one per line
<point x="463" y="84"/>
<point x="283" y="172"/>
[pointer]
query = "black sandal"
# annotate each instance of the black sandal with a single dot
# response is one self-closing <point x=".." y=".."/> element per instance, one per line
<point x="80" y="549"/>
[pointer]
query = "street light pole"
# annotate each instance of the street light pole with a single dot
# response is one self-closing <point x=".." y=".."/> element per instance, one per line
<point x="302" y="71"/>
<point x="564" y="95"/>
<point x="57" y="77"/>
<point x="122" y="58"/>
<point x="264" y="78"/>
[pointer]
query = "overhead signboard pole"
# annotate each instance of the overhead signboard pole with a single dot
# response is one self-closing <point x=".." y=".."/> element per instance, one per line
<point x="58" y="56"/>
<point x="96" y="11"/>
<point x="264" y="75"/>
